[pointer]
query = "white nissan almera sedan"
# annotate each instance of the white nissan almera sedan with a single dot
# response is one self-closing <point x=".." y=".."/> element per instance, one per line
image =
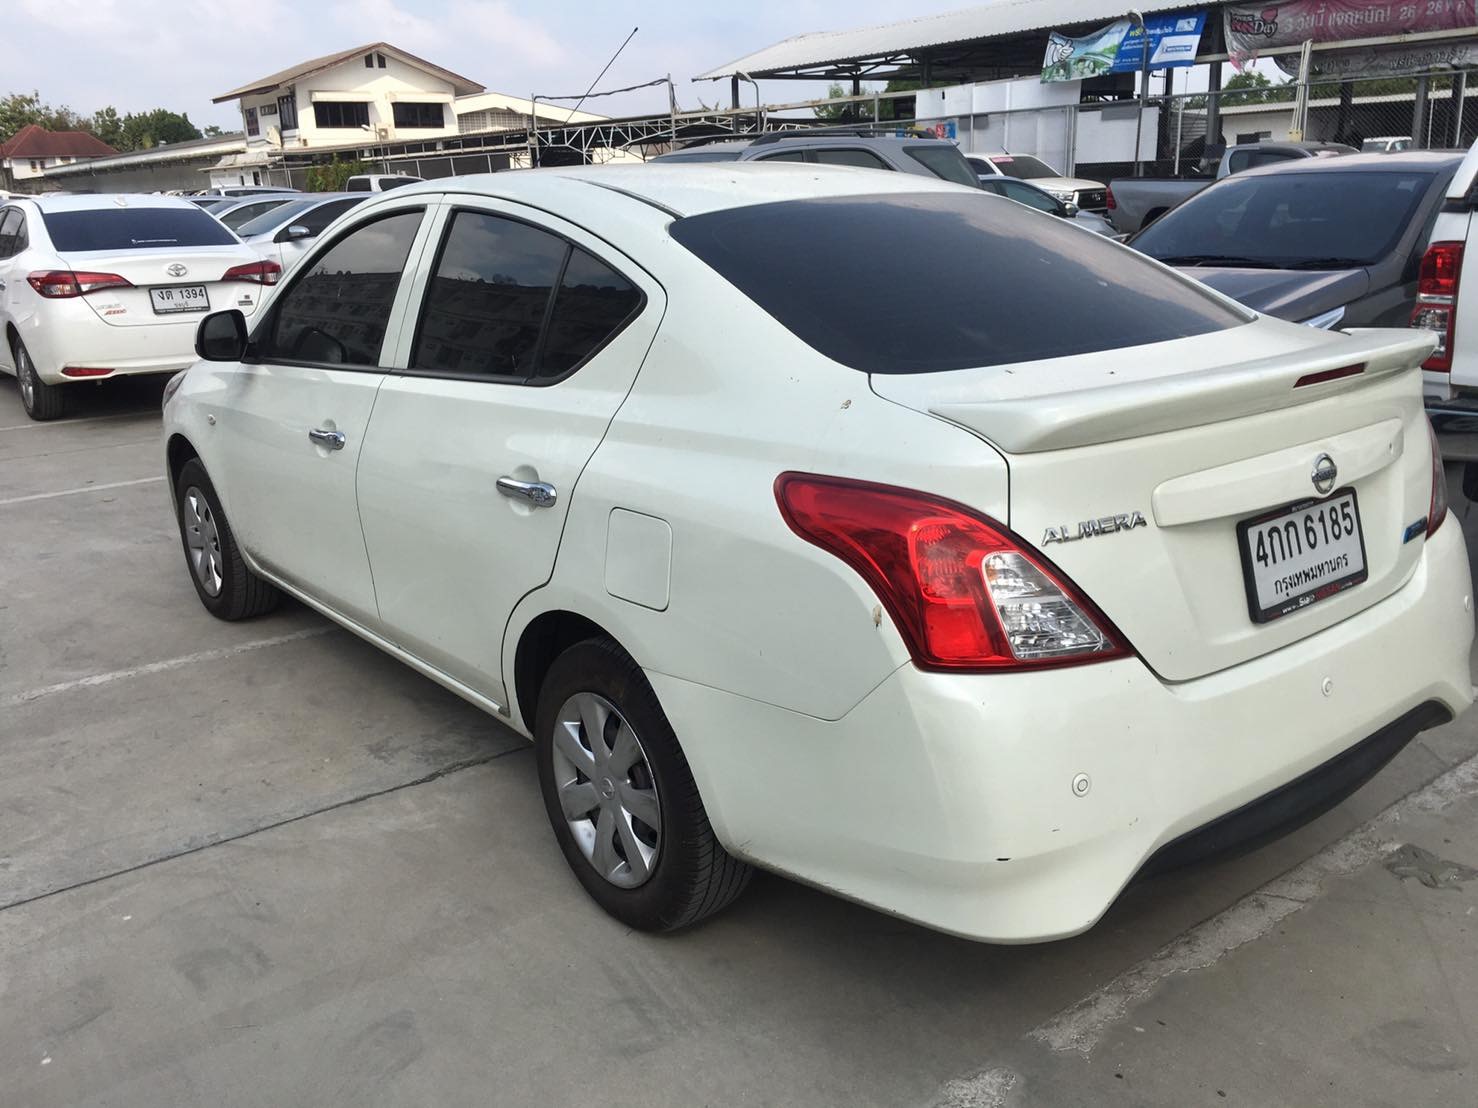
<point x="1034" y="567"/>
<point x="94" y="287"/>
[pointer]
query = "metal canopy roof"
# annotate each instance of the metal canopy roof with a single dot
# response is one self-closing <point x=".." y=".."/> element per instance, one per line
<point x="971" y="38"/>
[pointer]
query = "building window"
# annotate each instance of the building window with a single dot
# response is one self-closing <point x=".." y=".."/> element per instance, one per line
<point x="380" y="60"/>
<point x="369" y="61"/>
<point x="251" y="121"/>
<point x="287" y="111"/>
<point x="341" y="114"/>
<point x="268" y="109"/>
<point x="419" y="115"/>
<point x="35" y="166"/>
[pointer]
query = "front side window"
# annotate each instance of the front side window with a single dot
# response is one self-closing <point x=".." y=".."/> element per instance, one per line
<point x="341" y="114"/>
<point x="513" y="302"/>
<point x="418" y="115"/>
<point x="945" y="162"/>
<point x="1032" y="198"/>
<point x="320" y="216"/>
<point x="10" y="221"/>
<point x="787" y="156"/>
<point x="337" y="312"/>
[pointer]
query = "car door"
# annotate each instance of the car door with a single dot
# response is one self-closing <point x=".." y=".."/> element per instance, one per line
<point x="292" y="416"/>
<point x="12" y="222"/>
<point x="530" y="334"/>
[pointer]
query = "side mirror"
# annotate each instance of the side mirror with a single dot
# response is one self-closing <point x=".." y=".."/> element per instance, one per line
<point x="221" y="337"/>
<point x="293" y="233"/>
<point x="1070" y="209"/>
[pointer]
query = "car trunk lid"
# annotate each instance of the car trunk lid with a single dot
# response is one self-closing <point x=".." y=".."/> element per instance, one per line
<point x="187" y="281"/>
<point x="1133" y="473"/>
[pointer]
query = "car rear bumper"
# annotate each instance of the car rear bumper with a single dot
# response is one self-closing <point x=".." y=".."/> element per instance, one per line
<point x="1015" y="808"/>
<point x="70" y="334"/>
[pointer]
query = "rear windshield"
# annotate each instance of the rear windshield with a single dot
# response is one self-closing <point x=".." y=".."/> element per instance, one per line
<point x="946" y="162"/>
<point x="1325" y="220"/>
<point x="924" y="282"/>
<point x="1023" y="167"/>
<point x="134" y="229"/>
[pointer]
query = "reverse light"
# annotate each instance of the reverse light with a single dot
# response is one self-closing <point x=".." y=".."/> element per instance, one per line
<point x="965" y="593"/>
<point x="64" y="284"/>
<point x="262" y="273"/>
<point x="1436" y="300"/>
<point x="1437" y="509"/>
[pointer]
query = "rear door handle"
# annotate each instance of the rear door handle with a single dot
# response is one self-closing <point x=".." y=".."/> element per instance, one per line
<point x="538" y="493"/>
<point x="329" y="440"/>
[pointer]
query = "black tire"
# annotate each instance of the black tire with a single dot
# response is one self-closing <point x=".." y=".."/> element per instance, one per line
<point x="692" y="876"/>
<point x="241" y="594"/>
<point x="41" y="401"/>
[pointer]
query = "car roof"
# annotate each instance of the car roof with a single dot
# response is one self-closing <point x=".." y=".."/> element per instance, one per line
<point x="677" y="188"/>
<point x="1378" y="163"/>
<point x="81" y="202"/>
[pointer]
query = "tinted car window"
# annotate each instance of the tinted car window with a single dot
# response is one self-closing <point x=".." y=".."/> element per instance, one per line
<point x="1285" y="219"/>
<point x="945" y="162"/>
<point x="1023" y="167"/>
<point x="274" y="219"/>
<point x="594" y="302"/>
<point x="704" y="156"/>
<point x="965" y="286"/>
<point x="10" y="222"/>
<point x="338" y="310"/>
<point x="319" y="217"/>
<point x="236" y="217"/>
<point x="134" y="229"/>
<point x="863" y="159"/>
<point x="1032" y="198"/>
<point x="786" y="156"/>
<point x="486" y="302"/>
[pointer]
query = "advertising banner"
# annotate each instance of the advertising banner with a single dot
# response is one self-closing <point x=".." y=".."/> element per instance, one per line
<point x="1254" y="27"/>
<point x="1073" y="59"/>
<point x="1174" y="41"/>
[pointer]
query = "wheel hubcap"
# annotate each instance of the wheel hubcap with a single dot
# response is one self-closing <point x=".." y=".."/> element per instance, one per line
<point x="203" y="541"/>
<point x="27" y="381"/>
<point x="606" y="790"/>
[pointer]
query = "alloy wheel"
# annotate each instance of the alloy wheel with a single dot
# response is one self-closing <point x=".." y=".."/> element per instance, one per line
<point x="606" y="790"/>
<point x="203" y="541"/>
<point x="25" y="374"/>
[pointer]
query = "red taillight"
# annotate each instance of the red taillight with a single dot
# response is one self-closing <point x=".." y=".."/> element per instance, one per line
<point x="1436" y="300"/>
<point x="1437" y="509"/>
<point x="63" y="284"/>
<point x="262" y="273"/>
<point x="1108" y="199"/>
<point x="84" y="371"/>
<point x="964" y="592"/>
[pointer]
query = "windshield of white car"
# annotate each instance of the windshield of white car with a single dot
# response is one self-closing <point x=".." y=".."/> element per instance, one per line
<point x="134" y="229"/>
<point x="1023" y="167"/>
<point x="969" y="284"/>
<point x="277" y="217"/>
<point x="1283" y="220"/>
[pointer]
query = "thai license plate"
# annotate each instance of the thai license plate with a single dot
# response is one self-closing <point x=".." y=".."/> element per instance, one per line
<point x="179" y="298"/>
<point x="1298" y="556"/>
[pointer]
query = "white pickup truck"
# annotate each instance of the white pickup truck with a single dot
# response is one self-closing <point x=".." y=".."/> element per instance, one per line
<point x="1447" y="303"/>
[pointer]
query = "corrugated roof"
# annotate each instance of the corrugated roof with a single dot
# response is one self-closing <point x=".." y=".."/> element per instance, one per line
<point x="33" y="141"/>
<point x="462" y="86"/>
<point x="986" y="21"/>
<point x="174" y="151"/>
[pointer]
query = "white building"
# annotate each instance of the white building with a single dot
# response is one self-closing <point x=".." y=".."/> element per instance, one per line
<point x="32" y="150"/>
<point x="371" y="94"/>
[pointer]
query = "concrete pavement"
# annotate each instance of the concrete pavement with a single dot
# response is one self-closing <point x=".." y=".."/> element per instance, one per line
<point x="263" y="864"/>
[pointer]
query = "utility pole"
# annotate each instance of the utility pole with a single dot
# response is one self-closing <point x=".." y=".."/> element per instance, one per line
<point x="1144" y="86"/>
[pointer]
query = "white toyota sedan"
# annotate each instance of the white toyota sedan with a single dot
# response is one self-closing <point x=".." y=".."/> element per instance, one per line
<point x="1031" y="568"/>
<point x="108" y="286"/>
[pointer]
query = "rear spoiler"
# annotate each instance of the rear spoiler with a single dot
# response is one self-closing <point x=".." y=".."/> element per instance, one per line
<point x="1083" y="417"/>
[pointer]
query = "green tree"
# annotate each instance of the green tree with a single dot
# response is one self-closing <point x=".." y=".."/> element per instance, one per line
<point x="857" y="112"/>
<point x="108" y="126"/>
<point x="144" y="130"/>
<point x="211" y="131"/>
<point x="331" y="176"/>
<point x="21" y="109"/>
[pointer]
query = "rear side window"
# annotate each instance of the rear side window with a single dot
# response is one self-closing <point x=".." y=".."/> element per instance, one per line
<point x="337" y="312"/>
<point x="970" y="283"/>
<point x="134" y="229"/>
<point x="863" y="159"/>
<point x="945" y="162"/>
<point x="512" y="302"/>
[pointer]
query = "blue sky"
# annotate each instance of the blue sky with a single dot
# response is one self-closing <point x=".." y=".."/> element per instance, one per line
<point x="141" y="54"/>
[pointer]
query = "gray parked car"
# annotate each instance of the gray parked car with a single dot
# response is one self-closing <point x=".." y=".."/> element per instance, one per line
<point x="928" y="157"/>
<point x="1334" y="242"/>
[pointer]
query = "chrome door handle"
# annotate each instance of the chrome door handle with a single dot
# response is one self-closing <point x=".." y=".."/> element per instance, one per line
<point x="329" y="440"/>
<point x="538" y="493"/>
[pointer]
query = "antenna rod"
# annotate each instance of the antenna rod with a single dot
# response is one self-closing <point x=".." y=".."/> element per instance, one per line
<point x="601" y="74"/>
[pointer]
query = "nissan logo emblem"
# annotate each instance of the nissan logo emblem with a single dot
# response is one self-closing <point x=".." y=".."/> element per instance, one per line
<point x="1325" y="474"/>
<point x="176" y="270"/>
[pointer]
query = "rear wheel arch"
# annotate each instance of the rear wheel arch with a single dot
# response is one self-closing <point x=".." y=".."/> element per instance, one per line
<point x="545" y="638"/>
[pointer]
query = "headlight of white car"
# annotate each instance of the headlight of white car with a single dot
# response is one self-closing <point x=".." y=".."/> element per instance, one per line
<point x="1326" y="321"/>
